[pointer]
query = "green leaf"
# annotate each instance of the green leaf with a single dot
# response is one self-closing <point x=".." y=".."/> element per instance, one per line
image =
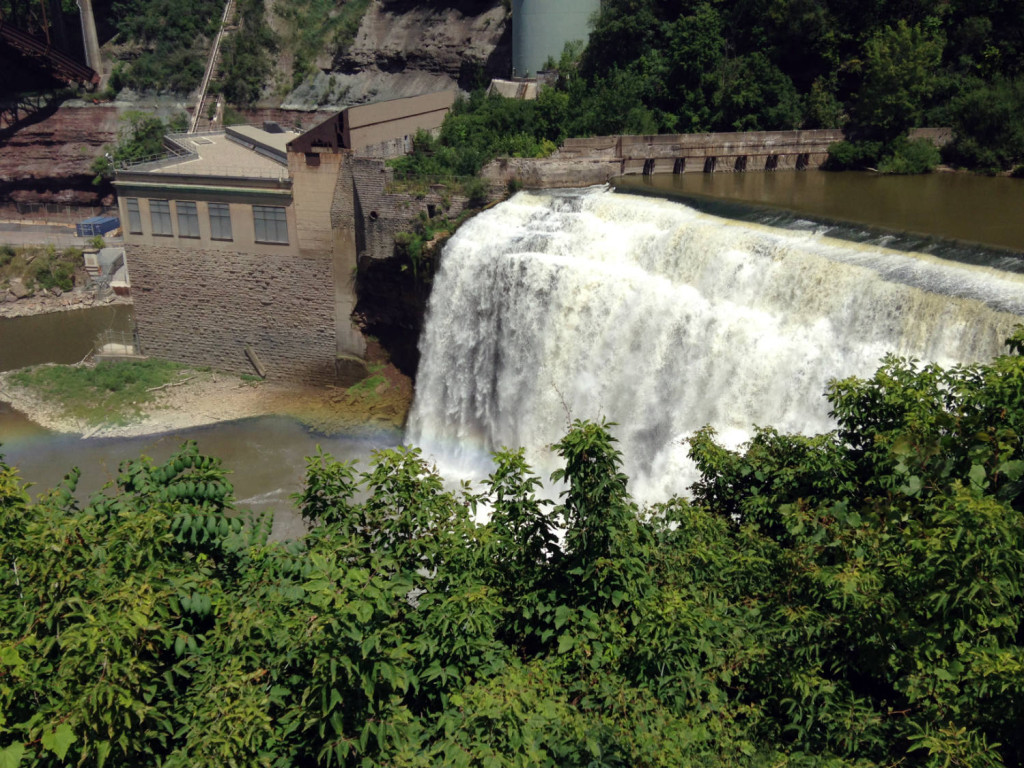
<point x="913" y="486"/>
<point x="363" y="611"/>
<point x="977" y="477"/>
<point x="566" y="642"/>
<point x="9" y="657"/>
<point x="562" y="614"/>
<point x="102" y="752"/>
<point x="1012" y="469"/>
<point x="59" y="740"/>
<point x="10" y="757"/>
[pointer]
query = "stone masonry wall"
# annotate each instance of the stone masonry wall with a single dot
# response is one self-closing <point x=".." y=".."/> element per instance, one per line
<point x="205" y="307"/>
<point x="380" y="215"/>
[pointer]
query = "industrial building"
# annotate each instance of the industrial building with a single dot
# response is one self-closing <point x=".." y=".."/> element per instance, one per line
<point x="239" y="256"/>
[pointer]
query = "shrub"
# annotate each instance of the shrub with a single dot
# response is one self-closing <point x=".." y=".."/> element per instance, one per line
<point x="853" y="155"/>
<point x="910" y="157"/>
<point x="477" y="190"/>
<point x="987" y="127"/>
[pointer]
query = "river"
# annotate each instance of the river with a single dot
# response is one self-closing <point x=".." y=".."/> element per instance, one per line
<point x="59" y="337"/>
<point x="265" y="456"/>
<point x="951" y="206"/>
<point x="589" y="316"/>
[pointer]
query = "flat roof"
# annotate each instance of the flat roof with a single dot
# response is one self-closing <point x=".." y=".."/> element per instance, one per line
<point x="218" y="155"/>
<point x="270" y="142"/>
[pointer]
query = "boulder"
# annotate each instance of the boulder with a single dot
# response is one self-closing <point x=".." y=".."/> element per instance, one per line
<point x="19" y="289"/>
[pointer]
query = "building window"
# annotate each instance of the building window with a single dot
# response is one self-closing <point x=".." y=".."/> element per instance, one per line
<point x="160" y="214"/>
<point x="271" y="224"/>
<point x="134" y="217"/>
<point x="188" y="219"/>
<point x="220" y="221"/>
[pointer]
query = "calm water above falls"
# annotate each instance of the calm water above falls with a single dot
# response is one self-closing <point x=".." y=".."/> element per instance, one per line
<point x="649" y="313"/>
<point x="958" y="206"/>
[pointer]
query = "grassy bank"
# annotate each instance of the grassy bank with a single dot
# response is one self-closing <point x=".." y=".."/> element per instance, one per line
<point x="107" y="393"/>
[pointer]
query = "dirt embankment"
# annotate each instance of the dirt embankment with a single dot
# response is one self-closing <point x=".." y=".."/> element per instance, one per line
<point x="204" y="397"/>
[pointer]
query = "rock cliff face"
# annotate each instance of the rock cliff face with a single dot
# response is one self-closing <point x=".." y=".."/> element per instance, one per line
<point x="404" y="48"/>
<point x="48" y="161"/>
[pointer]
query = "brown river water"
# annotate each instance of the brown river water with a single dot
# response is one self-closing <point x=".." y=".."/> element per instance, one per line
<point x="941" y="212"/>
<point x="951" y="206"/>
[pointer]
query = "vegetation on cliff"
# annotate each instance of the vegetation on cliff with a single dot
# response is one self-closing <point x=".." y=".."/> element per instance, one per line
<point x="666" y="66"/>
<point x="139" y="137"/>
<point x="166" y="48"/>
<point x="168" y="41"/>
<point x="653" y="66"/>
<point x="850" y="599"/>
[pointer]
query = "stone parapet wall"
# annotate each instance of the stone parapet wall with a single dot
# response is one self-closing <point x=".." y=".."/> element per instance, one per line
<point x="204" y="307"/>
<point x="551" y="172"/>
<point x="701" y="144"/>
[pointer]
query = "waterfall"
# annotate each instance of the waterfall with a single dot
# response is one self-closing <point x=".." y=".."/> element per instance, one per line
<point x="591" y="304"/>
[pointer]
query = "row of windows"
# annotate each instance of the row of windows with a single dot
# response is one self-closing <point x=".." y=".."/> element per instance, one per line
<point x="270" y="222"/>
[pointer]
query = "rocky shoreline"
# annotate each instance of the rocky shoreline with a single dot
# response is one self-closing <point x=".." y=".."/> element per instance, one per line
<point x="17" y="301"/>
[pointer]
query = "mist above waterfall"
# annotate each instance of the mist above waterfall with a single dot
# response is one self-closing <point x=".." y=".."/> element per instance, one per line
<point x="591" y="304"/>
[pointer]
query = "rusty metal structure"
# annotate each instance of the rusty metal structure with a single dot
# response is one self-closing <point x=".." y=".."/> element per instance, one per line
<point x="62" y="65"/>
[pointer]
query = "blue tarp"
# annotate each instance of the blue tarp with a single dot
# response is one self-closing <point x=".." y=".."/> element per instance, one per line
<point x="97" y="225"/>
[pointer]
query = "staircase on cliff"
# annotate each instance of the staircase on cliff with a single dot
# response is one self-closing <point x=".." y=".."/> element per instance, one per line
<point x="212" y="65"/>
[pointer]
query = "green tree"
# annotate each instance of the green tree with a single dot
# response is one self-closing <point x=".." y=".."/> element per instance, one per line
<point x="988" y="132"/>
<point x="900" y="64"/>
<point x="140" y="136"/>
<point x="850" y="599"/>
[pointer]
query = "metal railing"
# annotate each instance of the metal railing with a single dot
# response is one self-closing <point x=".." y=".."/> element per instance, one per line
<point x="59" y="211"/>
<point x="211" y="65"/>
<point x="179" y="152"/>
<point x="174" y="153"/>
<point x="112" y="342"/>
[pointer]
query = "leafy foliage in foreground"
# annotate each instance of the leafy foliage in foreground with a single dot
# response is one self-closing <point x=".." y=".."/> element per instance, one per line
<point x="848" y="599"/>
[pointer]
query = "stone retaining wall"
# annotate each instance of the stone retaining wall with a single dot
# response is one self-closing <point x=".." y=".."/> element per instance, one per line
<point x="379" y="215"/>
<point x="205" y="307"/>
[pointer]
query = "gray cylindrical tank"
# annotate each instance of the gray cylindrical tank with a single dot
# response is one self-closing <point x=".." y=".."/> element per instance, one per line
<point x="541" y="28"/>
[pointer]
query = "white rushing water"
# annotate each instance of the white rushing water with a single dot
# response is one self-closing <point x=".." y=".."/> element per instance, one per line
<point x="592" y="304"/>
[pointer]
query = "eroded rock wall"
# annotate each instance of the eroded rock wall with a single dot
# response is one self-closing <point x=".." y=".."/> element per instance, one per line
<point x="406" y="48"/>
<point x="49" y="160"/>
